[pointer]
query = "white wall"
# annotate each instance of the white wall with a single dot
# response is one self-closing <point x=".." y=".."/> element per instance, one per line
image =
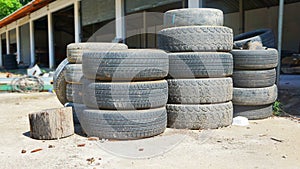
<point x="268" y="18"/>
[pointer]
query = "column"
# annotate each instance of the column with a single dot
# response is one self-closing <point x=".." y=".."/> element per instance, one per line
<point x="51" y="41"/>
<point x="32" y="45"/>
<point x="7" y="43"/>
<point x="18" y="44"/>
<point x="195" y="3"/>
<point x="77" y="22"/>
<point x="1" y="61"/>
<point x="120" y="20"/>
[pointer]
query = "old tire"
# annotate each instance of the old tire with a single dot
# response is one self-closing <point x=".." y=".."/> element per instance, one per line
<point x="254" y="78"/>
<point x="193" y="17"/>
<point x="254" y="96"/>
<point x="206" y="116"/>
<point x="59" y="82"/>
<point x="76" y="50"/>
<point x="133" y="124"/>
<point x="77" y="108"/>
<point x="196" y="91"/>
<point x="132" y="64"/>
<point x="255" y="59"/>
<point x="253" y="112"/>
<point x="126" y="96"/>
<point x="196" y="38"/>
<point x="74" y="93"/>
<point x="265" y="36"/>
<point x="73" y="73"/>
<point x="200" y="64"/>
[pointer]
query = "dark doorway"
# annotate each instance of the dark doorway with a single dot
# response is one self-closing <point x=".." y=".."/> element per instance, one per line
<point x="63" y="26"/>
<point x="41" y="42"/>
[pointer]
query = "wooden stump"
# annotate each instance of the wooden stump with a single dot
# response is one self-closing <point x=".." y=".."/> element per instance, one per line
<point x="52" y="124"/>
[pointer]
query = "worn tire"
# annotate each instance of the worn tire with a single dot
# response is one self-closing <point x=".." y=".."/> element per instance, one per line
<point x="253" y="112"/>
<point x="133" y="124"/>
<point x="59" y="82"/>
<point x="73" y="73"/>
<point x="132" y="64"/>
<point x="126" y="96"/>
<point x="196" y="91"/>
<point x="74" y="93"/>
<point x="254" y="78"/>
<point x="200" y="64"/>
<point x="77" y="108"/>
<point x="206" y="116"/>
<point x="254" y="96"/>
<point x="255" y="59"/>
<point x="196" y="38"/>
<point x="265" y="36"/>
<point x="75" y="50"/>
<point x="193" y="17"/>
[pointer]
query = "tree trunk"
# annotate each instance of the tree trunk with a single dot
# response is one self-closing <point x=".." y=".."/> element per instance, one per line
<point x="51" y="124"/>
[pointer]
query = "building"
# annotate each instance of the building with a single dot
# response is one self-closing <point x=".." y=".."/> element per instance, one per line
<point x="40" y="31"/>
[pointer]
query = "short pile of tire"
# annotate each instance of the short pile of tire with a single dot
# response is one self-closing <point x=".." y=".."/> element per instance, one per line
<point x="254" y="79"/>
<point x="200" y="86"/>
<point x="124" y="93"/>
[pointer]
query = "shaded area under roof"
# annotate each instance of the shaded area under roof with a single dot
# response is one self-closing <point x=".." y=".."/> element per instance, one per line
<point x="231" y="6"/>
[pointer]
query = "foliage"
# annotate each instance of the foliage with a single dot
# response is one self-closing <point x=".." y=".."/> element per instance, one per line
<point x="8" y="6"/>
<point x="277" y="108"/>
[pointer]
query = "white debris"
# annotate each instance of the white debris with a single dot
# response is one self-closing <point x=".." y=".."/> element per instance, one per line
<point x="240" y="121"/>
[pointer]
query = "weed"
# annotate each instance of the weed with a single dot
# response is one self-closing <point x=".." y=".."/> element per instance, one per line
<point x="277" y="109"/>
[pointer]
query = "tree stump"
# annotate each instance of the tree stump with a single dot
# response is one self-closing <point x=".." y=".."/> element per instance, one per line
<point x="51" y="124"/>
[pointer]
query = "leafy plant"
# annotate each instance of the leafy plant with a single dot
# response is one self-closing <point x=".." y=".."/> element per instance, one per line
<point x="8" y="6"/>
<point x="277" y="109"/>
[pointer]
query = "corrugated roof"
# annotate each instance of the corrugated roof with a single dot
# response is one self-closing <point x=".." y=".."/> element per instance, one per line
<point x="25" y="10"/>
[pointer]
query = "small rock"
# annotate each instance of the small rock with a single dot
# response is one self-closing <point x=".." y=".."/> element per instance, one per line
<point x="36" y="150"/>
<point x="90" y="160"/>
<point x="51" y="146"/>
<point x="141" y="149"/>
<point x="93" y="139"/>
<point x="283" y="156"/>
<point x="23" y="151"/>
<point x="99" y="158"/>
<point x="80" y="145"/>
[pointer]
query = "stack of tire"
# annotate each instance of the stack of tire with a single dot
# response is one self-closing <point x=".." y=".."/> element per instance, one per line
<point x="254" y="82"/>
<point x="68" y="77"/>
<point x="125" y="93"/>
<point x="200" y="86"/>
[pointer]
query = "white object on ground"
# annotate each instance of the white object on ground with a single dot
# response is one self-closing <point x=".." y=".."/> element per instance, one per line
<point x="240" y="121"/>
<point x="34" y="71"/>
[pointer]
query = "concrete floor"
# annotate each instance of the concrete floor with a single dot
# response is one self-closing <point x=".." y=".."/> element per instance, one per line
<point x="247" y="147"/>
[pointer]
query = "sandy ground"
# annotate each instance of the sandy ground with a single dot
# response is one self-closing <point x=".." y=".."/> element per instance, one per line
<point x="231" y="147"/>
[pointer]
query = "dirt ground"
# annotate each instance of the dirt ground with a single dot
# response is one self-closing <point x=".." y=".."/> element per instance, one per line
<point x="271" y="143"/>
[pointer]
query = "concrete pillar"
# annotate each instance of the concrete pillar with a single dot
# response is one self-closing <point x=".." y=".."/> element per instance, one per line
<point x="120" y="20"/>
<point x="7" y="42"/>
<point x="18" y="44"/>
<point x="32" y="43"/>
<point x="195" y="3"/>
<point x="77" y="22"/>
<point x="1" y="60"/>
<point x="51" y="41"/>
<point x="280" y="23"/>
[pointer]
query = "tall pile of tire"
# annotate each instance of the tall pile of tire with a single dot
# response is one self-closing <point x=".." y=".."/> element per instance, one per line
<point x="254" y="79"/>
<point x="200" y="86"/>
<point x="125" y="93"/>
